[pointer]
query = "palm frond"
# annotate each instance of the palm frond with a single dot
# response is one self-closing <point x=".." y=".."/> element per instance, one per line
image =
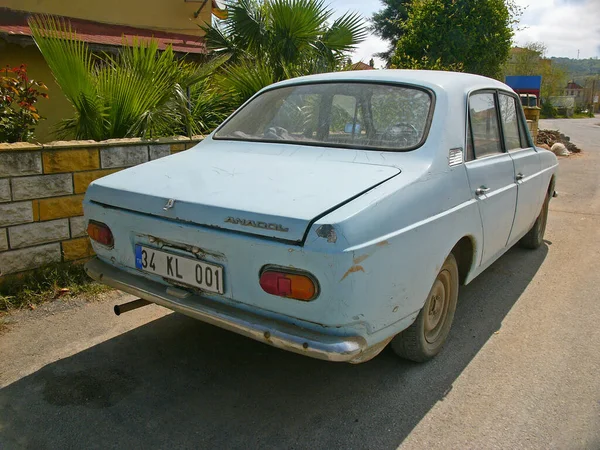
<point x="244" y="79"/>
<point x="245" y="25"/>
<point x="345" y="33"/>
<point x="73" y="67"/>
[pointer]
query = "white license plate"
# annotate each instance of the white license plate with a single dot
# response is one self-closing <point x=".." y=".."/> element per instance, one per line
<point x="190" y="271"/>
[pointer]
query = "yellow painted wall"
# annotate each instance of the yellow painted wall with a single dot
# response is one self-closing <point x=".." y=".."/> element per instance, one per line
<point x="175" y="16"/>
<point x="56" y="107"/>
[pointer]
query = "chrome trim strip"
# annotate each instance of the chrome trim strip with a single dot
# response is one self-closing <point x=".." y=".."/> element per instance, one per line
<point x="274" y="332"/>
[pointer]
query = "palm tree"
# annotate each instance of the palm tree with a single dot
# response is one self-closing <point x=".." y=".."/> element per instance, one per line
<point x="271" y="40"/>
<point x="141" y="92"/>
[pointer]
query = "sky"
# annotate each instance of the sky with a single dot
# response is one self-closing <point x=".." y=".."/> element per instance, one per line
<point x="568" y="28"/>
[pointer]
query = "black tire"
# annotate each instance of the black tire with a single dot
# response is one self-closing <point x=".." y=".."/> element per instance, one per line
<point x="426" y="336"/>
<point x="535" y="236"/>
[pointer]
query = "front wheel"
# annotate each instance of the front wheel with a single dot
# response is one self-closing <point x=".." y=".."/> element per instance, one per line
<point x="426" y="336"/>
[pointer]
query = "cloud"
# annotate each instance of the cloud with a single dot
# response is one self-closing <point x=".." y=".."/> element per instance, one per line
<point x="564" y="26"/>
<point x="371" y="45"/>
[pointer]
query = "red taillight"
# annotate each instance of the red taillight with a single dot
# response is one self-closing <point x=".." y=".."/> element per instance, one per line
<point x="100" y="233"/>
<point x="290" y="285"/>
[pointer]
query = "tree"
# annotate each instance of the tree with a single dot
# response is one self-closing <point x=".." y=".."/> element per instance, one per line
<point x="526" y="60"/>
<point x="531" y="60"/>
<point x="274" y="40"/>
<point x="473" y="34"/>
<point x="387" y="23"/>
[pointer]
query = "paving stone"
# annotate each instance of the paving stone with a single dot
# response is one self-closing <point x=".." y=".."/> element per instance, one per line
<point x="3" y="240"/>
<point x="16" y="164"/>
<point x="38" y="233"/>
<point x="29" y="258"/>
<point x="72" y="160"/>
<point x="16" y="213"/>
<point x="42" y="186"/>
<point x="59" y="207"/>
<point x="81" y="180"/>
<point x="4" y="190"/>
<point x="176" y="148"/>
<point x="78" y="226"/>
<point x="159" y="150"/>
<point x="77" y="249"/>
<point x="123" y="156"/>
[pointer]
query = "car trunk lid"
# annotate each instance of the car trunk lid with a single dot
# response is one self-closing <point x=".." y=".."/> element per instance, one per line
<point x="270" y="195"/>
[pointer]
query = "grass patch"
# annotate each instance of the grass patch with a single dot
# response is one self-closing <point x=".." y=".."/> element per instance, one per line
<point x="46" y="283"/>
<point x="581" y="116"/>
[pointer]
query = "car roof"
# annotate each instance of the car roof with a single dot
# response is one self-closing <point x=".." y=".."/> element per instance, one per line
<point x="434" y="79"/>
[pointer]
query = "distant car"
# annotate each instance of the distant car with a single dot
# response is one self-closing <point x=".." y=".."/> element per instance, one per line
<point x="331" y="214"/>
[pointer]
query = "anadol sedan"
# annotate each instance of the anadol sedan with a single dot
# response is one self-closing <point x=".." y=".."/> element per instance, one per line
<point x="331" y="214"/>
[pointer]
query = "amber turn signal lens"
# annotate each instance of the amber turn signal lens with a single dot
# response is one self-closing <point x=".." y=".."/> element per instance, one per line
<point x="290" y="285"/>
<point x="100" y="233"/>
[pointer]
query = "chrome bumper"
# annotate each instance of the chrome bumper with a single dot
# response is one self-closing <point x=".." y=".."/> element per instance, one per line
<point x="277" y="333"/>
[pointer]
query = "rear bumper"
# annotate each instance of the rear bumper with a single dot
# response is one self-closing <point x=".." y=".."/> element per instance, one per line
<point x="277" y="333"/>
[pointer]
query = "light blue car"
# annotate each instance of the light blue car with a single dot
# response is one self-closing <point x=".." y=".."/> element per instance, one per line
<point x="331" y="214"/>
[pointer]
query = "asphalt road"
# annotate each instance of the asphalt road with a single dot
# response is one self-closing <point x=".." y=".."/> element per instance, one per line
<point x="521" y="368"/>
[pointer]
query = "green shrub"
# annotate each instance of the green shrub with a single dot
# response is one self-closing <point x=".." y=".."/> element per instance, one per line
<point x="548" y="111"/>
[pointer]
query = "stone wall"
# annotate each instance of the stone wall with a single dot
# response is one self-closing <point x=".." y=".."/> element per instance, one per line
<point x="42" y="189"/>
<point x="533" y="118"/>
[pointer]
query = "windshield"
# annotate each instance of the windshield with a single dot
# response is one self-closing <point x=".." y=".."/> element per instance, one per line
<point x="355" y="115"/>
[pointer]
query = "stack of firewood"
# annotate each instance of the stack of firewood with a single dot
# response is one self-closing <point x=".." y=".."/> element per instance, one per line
<point x="547" y="138"/>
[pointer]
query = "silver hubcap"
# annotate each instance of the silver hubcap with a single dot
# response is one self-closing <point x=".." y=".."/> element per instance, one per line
<point x="437" y="307"/>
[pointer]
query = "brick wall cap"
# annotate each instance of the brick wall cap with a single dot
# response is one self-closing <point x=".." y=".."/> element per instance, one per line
<point x="55" y="145"/>
<point x="19" y="146"/>
<point x="65" y="145"/>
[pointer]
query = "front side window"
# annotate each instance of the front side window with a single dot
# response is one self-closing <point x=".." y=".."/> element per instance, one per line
<point x="484" y="124"/>
<point x="354" y="115"/>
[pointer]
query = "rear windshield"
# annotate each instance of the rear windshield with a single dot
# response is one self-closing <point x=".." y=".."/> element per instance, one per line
<point x="354" y="115"/>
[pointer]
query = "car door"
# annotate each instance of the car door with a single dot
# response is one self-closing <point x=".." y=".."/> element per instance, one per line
<point x="527" y="166"/>
<point x="491" y="174"/>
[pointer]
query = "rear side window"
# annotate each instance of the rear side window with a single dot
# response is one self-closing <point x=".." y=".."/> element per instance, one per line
<point x="484" y="125"/>
<point x="510" y="122"/>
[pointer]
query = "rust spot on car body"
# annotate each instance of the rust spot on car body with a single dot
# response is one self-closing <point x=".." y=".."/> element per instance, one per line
<point x="352" y="269"/>
<point x="383" y="243"/>
<point x="360" y="259"/>
<point x="327" y="232"/>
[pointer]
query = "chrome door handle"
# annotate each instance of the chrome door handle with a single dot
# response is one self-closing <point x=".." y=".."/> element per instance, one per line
<point x="519" y="176"/>
<point x="481" y="190"/>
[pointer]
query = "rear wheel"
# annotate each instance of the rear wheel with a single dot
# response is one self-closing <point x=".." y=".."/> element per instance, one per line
<point x="426" y="336"/>
<point x="535" y="236"/>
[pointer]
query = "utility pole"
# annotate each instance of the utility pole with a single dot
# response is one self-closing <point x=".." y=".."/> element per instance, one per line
<point x="577" y="53"/>
<point x="593" y="95"/>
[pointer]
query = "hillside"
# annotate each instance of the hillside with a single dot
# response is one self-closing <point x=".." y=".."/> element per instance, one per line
<point x="579" y="67"/>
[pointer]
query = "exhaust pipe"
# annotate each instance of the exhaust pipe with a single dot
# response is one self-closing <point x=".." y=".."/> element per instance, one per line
<point x="129" y="306"/>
